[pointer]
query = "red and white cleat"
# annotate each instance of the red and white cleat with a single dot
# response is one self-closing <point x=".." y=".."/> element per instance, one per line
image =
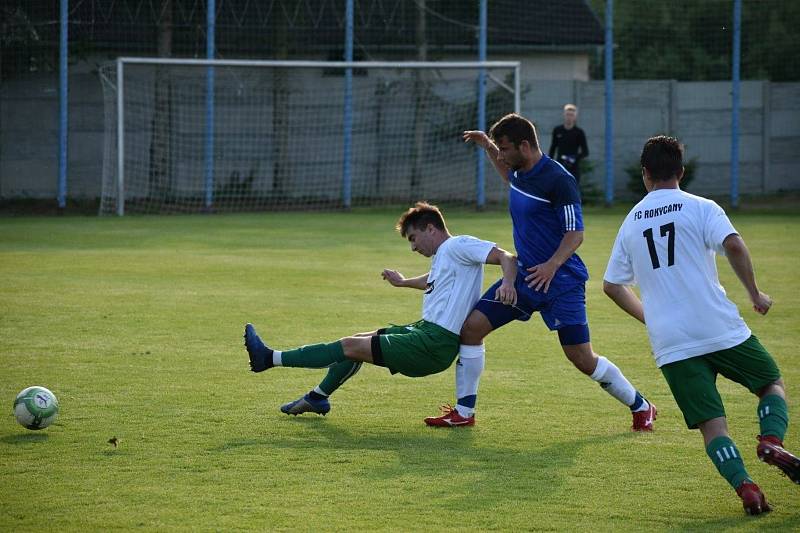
<point x="771" y="451"/>
<point x="449" y="418"/>
<point x="753" y="500"/>
<point x="643" y="420"/>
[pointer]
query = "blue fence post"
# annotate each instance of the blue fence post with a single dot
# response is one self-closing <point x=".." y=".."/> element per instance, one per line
<point x="609" y="104"/>
<point x="211" y="17"/>
<point x="63" y="104"/>
<point x="480" y="184"/>
<point x="348" y="108"/>
<point x="737" y="34"/>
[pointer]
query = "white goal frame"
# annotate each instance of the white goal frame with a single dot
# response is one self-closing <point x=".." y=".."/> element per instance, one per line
<point x="122" y="61"/>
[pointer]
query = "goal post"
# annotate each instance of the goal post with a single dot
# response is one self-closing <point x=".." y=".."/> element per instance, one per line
<point x="192" y="135"/>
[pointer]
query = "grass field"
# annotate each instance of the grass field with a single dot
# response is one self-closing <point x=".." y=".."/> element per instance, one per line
<point x="136" y="325"/>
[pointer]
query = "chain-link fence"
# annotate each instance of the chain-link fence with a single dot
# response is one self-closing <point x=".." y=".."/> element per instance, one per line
<point x="673" y="68"/>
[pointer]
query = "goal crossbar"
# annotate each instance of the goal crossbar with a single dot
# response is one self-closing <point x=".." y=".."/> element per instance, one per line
<point x="317" y="64"/>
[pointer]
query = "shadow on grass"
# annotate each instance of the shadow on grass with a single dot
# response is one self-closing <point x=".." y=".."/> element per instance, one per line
<point x="24" y="438"/>
<point x="500" y="474"/>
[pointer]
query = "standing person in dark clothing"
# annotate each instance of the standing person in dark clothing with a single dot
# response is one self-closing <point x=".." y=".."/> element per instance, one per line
<point x="568" y="146"/>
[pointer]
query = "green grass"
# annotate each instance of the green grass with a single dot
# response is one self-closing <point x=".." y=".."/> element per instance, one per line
<point x="136" y="325"/>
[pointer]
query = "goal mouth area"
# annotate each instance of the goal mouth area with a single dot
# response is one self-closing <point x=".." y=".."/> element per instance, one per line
<point x="195" y="135"/>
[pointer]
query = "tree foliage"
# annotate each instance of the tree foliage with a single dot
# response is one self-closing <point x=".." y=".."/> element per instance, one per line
<point x="691" y="40"/>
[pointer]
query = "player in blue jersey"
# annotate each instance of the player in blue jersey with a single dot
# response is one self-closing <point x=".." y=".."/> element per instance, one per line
<point x="545" y="207"/>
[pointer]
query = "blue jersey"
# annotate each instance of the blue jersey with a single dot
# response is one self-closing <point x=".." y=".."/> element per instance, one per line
<point x="545" y="203"/>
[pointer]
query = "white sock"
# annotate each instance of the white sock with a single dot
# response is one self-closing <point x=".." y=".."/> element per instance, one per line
<point x="320" y="391"/>
<point x="613" y="382"/>
<point x="276" y="358"/>
<point x="471" y="361"/>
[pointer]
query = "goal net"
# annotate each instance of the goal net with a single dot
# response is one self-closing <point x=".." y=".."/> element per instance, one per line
<point x="187" y="136"/>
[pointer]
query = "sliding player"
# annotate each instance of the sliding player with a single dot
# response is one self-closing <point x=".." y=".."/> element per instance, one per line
<point x="452" y="287"/>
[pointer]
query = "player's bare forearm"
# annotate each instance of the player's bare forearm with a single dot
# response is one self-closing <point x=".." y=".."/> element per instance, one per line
<point x="482" y="140"/>
<point x="506" y="293"/>
<point x="507" y="262"/>
<point x="494" y="156"/>
<point x="570" y="243"/>
<point x="541" y="275"/>
<point x="396" y="279"/>
<point x="625" y="299"/>
<point x="420" y="282"/>
<point x="739" y="257"/>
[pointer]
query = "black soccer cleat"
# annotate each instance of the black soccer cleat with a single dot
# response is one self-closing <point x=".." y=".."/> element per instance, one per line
<point x="260" y="354"/>
<point x="306" y="404"/>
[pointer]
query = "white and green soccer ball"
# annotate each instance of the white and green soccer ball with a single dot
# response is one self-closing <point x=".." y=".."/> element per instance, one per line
<point x="36" y="407"/>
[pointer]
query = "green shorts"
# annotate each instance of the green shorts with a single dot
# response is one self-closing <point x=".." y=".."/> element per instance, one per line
<point x="693" y="381"/>
<point x="416" y="350"/>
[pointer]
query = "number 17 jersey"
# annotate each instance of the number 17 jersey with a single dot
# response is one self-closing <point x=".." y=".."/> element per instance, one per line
<point x="667" y="245"/>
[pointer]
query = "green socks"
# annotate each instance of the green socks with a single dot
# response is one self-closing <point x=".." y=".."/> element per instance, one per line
<point x="726" y="458"/>
<point x="773" y="416"/>
<point x="314" y="355"/>
<point x="330" y="356"/>
<point x="337" y="375"/>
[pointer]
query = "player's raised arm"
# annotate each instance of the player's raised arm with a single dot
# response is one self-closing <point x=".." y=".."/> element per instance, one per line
<point x="481" y="139"/>
<point x="396" y="279"/>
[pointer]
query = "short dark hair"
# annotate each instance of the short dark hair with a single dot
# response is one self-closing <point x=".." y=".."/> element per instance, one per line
<point x="662" y="156"/>
<point x="517" y="128"/>
<point x="419" y="217"/>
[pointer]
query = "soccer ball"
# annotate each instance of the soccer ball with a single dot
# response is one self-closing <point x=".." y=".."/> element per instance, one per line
<point x="36" y="407"/>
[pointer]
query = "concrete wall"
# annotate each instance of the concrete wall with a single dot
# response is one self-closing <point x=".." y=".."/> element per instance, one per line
<point x="696" y="112"/>
<point x="29" y="137"/>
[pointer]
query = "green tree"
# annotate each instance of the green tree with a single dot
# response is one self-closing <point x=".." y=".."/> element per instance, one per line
<point x="691" y="40"/>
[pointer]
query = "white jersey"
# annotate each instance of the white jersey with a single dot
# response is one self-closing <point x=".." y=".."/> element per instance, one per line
<point x="667" y="245"/>
<point x="455" y="281"/>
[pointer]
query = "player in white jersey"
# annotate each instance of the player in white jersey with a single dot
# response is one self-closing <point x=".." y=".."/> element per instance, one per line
<point x="452" y="287"/>
<point x="667" y="245"/>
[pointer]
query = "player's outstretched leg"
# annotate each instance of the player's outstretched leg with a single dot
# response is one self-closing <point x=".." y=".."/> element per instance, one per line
<point x="307" y="404"/>
<point x="260" y="354"/>
<point x="753" y="499"/>
<point x="771" y="451"/>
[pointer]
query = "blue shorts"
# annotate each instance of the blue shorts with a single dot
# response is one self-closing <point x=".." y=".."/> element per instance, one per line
<point x="563" y="308"/>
